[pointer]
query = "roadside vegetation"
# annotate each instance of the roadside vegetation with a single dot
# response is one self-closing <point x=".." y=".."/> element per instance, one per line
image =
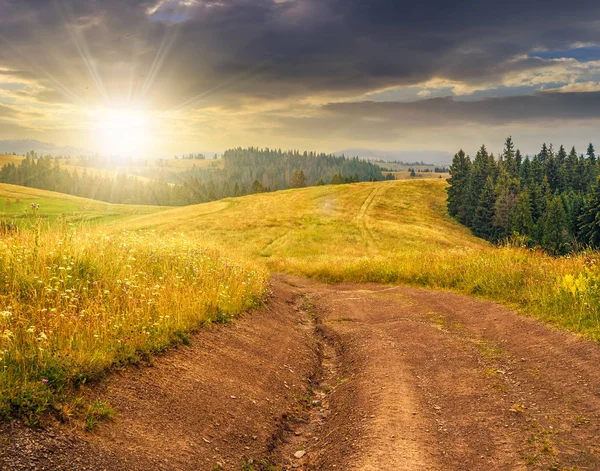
<point x="394" y="232"/>
<point x="74" y="303"/>
<point x="77" y="300"/>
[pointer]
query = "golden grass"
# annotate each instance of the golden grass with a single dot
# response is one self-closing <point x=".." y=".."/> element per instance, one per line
<point x="402" y="175"/>
<point x="10" y="159"/>
<point x="75" y="303"/>
<point x="392" y="232"/>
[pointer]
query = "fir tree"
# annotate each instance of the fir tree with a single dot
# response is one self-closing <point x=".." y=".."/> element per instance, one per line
<point x="458" y="189"/>
<point x="522" y="219"/>
<point x="589" y="221"/>
<point x="483" y="220"/>
<point x="591" y="154"/>
<point x="554" y="226"/>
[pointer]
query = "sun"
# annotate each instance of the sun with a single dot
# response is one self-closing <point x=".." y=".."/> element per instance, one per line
<point x="123" y="132"/>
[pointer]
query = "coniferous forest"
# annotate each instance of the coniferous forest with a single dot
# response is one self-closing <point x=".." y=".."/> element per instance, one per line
<point x="245" y="171"/>
<point x="551" y="200"/>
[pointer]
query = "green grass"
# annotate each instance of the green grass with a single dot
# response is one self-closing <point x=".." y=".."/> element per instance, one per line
<point x="391" y="232"/>
<point x="62" y="208"/>
<point x="88" y="289"/>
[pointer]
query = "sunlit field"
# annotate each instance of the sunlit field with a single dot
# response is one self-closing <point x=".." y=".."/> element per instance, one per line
<point x="407" y="176"/>
<point x="9" y="159"/>
<point x="16" y="209"/>
<point x="79" y="298"/>
<point x="392" y="232"/>
<point x="75" y="303"/>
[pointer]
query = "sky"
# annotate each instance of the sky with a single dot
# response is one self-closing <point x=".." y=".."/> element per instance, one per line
<point x="164" y="77"/>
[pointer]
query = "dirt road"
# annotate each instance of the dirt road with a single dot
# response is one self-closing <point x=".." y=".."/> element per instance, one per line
<point x="346" y="377"/>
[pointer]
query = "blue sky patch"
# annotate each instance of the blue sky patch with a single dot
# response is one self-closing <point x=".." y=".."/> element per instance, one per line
<point x="581" y="54"/>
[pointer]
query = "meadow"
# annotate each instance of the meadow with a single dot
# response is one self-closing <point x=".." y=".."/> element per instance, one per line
<point x="16" y="208"/>
<point x="392" y="232"/>
<point x="76" y="299"/>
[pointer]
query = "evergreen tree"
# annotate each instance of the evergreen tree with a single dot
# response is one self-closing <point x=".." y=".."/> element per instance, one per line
<point x="503" y="208"/>
<point x="458" y="189"/>
<point x="481" y="170"/>
<point x="591" y="153"/>
<point x="589" y="221"/>
<point x="508" y="156"/>
<point x="298" y="179"/>
<point x="554" y="232"/>
<point x="483" y="220"/>
<point x="522" y="219"/>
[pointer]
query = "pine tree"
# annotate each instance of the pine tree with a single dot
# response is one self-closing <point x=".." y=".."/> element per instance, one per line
<point x="483" y="221"/>
<point x="481" y="169"/>
<point x="298" y="179"/>
<point x="591" y="153"/>
<point x="525" y="172"/>
<point x="554" y="226"/>
<point x="503" y="208"/>
<point x="553" y="173"/>
<point x="508" y="156"/>
<point x="458" y="186"/>
<point x="522" y="220"/>
<point x="589" y="221"/>
<point x="543" y="155"/>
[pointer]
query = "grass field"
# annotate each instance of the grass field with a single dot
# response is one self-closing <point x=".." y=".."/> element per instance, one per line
<point x="75" y="303"/>
<point x="392" y="232"/>
<point x="10" y="159"/>
<point x="77" y="299"/>
<point x="54" y="206"/>
<point x="406" y="175"/>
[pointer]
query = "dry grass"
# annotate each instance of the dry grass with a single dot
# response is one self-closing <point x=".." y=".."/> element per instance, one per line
<point x="392" y="232"/>
<point x="10" y="159"/>
<point x="75" y="303"/>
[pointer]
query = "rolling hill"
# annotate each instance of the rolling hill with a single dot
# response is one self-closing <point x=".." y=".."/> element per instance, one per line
<point x="391" y="232"/>
<point x="58" y="205"/>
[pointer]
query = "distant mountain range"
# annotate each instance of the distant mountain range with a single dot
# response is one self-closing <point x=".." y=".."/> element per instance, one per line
<point x="22" y="146"/>
<point x="427" y="156"/>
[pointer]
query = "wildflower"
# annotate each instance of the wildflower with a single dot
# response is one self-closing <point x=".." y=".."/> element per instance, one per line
<point x="5" y="313"/>
<point x="45" y="380"/>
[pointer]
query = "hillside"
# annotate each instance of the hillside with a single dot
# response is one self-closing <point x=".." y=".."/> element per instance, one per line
<point x="10" y="159"/>
<point x="361" y="375"/>
<point x="358" y="220"/>
<point x="398" y="232"/>
<point x="54" y="205"/>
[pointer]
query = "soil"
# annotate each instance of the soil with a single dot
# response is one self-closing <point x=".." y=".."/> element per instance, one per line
<point x="345" y="377"/>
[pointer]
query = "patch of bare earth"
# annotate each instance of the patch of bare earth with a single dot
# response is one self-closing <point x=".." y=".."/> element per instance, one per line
<point x="348" y="377"/>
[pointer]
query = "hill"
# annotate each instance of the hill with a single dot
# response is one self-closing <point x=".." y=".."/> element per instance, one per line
<point x="391" y="232"/>
<point x="434" y="157"/>
<point x="21" y="146"/>
<point x="351" y="221"/>
<point x="54" y="205"/>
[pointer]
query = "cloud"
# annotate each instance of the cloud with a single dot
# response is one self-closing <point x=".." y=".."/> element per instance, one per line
<point x="277" y="62"/>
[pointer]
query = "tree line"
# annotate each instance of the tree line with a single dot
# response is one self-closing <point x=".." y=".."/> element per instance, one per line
<point x="550" y="200"/>
<point x="245" y="171"/>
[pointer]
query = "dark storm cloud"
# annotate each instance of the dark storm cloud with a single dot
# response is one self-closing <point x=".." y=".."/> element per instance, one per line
<point x="437" y="111"/>
<point x="228" y="50"/>
<point x="389" y="121"/>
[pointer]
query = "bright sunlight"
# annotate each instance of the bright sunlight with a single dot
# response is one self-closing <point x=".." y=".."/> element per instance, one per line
<point x="121" y="131"/>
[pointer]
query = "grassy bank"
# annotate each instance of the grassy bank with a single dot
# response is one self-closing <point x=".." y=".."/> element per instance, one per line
<point x="76" y="303"/>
